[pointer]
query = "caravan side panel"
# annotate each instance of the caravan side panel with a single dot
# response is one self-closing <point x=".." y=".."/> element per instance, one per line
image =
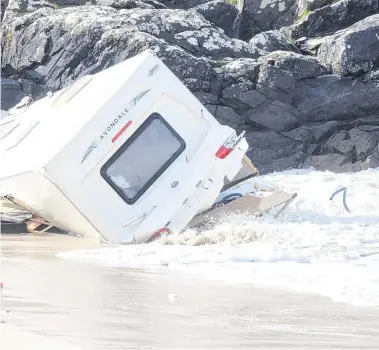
<point x="46" y="199"/>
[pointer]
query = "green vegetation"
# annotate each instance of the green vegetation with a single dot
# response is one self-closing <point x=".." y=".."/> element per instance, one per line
<point x="8" y="39"/>
<point x="54" y="4"/>
<point x="303" y="15"/>
<point x="232" y="2"/>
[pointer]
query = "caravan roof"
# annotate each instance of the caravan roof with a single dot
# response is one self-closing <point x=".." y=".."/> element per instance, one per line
<point x="49" y="124"/>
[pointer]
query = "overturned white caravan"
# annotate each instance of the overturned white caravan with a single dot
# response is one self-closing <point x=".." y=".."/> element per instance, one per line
<point x="123" y="154"/>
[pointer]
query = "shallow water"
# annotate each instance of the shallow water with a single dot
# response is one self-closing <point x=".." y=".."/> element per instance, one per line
<point x="316" y="247"/>
<point x="95" y="306"/>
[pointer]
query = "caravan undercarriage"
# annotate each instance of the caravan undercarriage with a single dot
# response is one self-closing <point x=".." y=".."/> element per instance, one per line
<point x="248" y="197"/>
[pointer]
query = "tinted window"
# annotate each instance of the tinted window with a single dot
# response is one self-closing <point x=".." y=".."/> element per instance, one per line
<point x="143" y="158"/>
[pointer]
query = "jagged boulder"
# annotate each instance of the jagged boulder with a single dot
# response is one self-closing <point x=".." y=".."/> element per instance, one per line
<point x="330" y="97"/>
<point x="304" y="6"/>
<point x="124" y="4"/>
<point x="242" y="97"/>
<point x="221" y="14"/>
<point x="239" y="71"/>
<point x="299" y="66"/>
<point x="21" y="7"/>
<point x="182" y="4"/>
<point x="276" y="83"/>
<point x="328" y="19"/>
<point x="313" y="133"/>
<point x="11" y="93"/>
<point x="4" y="5"/>
<point x="62" y="45"/>
<point x="354" y="50"/>
<point x="272" y="40"/>
<point x="226" y="115"/>
<point x="320" y="109"/>
<point x="272" y="151"/>
<point x="274" y="115"/>
<point x="262" y="15"/>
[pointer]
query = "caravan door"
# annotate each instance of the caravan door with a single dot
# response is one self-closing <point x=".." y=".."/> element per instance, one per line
<point x="152" y="171"/>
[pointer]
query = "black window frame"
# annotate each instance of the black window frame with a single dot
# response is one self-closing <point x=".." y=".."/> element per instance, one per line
<point x="127" y="143"/>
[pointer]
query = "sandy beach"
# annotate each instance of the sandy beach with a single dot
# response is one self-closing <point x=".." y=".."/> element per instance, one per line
<point x="52" y="303"/>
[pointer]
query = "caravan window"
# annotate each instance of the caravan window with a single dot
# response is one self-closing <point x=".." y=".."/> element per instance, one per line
<point x="143" y="158"/>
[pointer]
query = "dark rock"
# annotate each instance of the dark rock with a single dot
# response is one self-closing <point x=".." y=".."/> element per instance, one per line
<point x="363" y="142"/>
<point x="367" y="120"/>
<point x="353" y="51"/>
<point x="252" y="98"/>
<point x="62" y="3"/>
<point x="221" y="14"/>
<point x="372" y="160"/>
<point x="369" y="128"/>
<point x="4" y="4"/>
<point x="235" y="90"/>
<point x="212" y="44"/>
<point x="340" y="163"/>
<point x="246" y="100"/>
<point x="348" y="149"/>
<point x="19" y="7"/>
<point x="33" y="90"/>
<point x="227" y="115"/>
<point x="297" y="18"/>
<point x="276" y="83"/>
<point x="309" y="5"/>
<point x="246" y="27"/>
<point x="33" y="76"/>
<point x="332" y="162"/>
<point x="242" y="96"/>
<point x="244" y="70"/>
<point x="270" y="41"/>
<point x="211" y="109"/>
<point x="332" y="98"/>
<point x="302" y="134"/>
<point x="271" y="151"/>
<point x="335" y="143"/>
<point x="274" y="115"/>
<point x="310" y="46"/>
<point x="66" y="44"/>
<point x="182" y="4"/>
<point x="370" y="76"/>
<point x="334" y="17"/>
<point x="11" y="93"/>
<point x="321" y="131"/>
<point x="313" y="132"/>
<point x="126" y="4"/>
<point x="300" y="115"/>
<point x="300" y="67"/>
<point x="262" y="15"/>
<point x="205" y="98"/>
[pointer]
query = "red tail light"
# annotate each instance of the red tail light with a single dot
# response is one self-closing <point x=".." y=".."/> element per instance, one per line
<point x="229" y="145"/>
<point x="223" y="152"/>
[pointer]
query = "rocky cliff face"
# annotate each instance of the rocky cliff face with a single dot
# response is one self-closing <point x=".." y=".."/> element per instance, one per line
<point x="300" y="76"/>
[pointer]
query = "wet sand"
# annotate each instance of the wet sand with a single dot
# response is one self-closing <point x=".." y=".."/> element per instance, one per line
<point x="51" y="303"/>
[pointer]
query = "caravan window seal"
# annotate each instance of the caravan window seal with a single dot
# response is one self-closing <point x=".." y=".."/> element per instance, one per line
<point x="157" y="174"/>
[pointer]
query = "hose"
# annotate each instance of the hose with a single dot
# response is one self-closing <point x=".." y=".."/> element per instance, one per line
<point x="344" y="189"/>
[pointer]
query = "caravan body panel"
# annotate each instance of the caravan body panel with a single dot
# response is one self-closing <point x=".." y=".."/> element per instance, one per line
<point x="45" y="198"/>
<point x="136" y="122"/>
